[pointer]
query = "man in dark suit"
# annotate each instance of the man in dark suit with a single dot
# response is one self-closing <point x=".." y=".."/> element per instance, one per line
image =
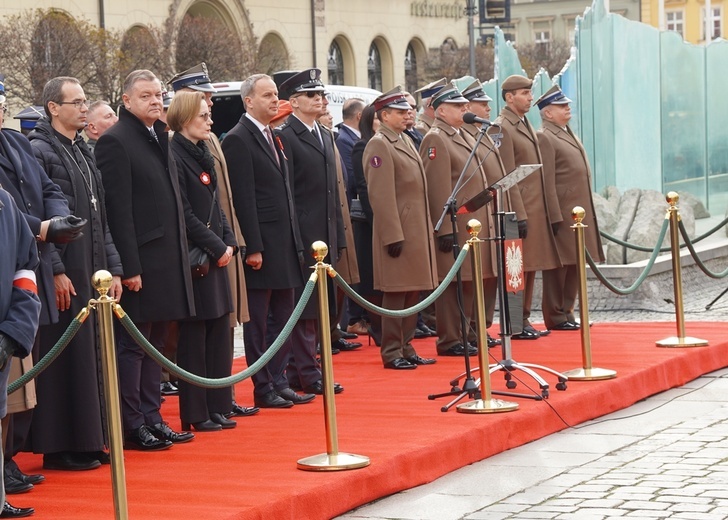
<point x="263" y="200"/>
<point x="316" y="197"/>
<point x="146" y="219"/>
<point x="347" y="136"/>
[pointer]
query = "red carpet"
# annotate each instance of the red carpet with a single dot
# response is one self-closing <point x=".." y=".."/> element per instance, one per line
<point x="250" y="472"/>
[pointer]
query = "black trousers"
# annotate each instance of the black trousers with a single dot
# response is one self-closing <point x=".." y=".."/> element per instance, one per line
<point x="204" y="349"/>
<point x="269" y="310"/>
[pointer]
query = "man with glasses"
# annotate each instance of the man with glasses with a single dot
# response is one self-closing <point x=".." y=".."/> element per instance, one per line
<point x="67" y="423"/>
<point x="146" y="219"/>
<point x="46" y="211"/>
<point x="312" y="161"/>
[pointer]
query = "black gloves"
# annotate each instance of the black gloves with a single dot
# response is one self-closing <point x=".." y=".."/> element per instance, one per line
<point x="445" y="243"/>
<point x="522" y="229"/>
<point x="555" y="227"/>
<point x="394" y="250"/>
<point x="8" y="348"/>
<point x="62" y="230"/>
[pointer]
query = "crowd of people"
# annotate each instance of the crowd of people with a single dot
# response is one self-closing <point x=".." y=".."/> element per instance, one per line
<point x="201" y="235"/>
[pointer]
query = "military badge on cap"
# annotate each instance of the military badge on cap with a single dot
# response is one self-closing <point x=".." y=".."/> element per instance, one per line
<point x="195" y="78"/>
<point x="554" y="96"/>
<point x="392" y="99"/>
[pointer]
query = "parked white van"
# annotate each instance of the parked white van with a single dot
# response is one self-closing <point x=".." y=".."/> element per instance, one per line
<point x="228" y="106"/>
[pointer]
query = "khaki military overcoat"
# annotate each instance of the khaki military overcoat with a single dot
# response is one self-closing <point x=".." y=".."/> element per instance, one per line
<point x="397" y="190"/>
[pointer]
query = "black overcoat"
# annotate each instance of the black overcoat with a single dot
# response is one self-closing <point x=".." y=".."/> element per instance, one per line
<point x="316" y="197"/>
<point x="197" y="188"/>
<point x="263" y="201"/>
<point x="146" y="219"/>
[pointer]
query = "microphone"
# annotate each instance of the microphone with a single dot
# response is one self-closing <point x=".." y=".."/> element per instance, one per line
<point x="471" y="118"/>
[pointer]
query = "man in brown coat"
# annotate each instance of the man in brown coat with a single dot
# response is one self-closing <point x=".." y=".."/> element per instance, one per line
<point x="427" y="117"/>
<point x="538" y="191"/>
<point x="564" y="159"/>
<point x="403" y="249"/>
<point x="445" y="151"/>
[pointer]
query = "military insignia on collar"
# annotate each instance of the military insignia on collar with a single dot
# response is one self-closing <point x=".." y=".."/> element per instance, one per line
<point x="376" y="161"/>
<point x="432" y="153"/>
<point x="205" y="178"/>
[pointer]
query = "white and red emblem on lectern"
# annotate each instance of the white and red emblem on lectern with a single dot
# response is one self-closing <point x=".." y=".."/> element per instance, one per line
<point x="514" y="265"/>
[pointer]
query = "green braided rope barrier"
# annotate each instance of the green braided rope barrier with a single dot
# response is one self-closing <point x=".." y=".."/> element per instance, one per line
<point x="632" y="288"/>
<point x="697" y="259"/>
<point x="351" y="293"/>
<point x="52" y="354"/>
<point x="235" y="378"/>
<point x="664" y="249"/>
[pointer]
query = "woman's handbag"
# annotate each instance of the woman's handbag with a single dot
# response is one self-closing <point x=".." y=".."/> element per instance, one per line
<point x="199" y="259"/>
<point x="356" y="211"/>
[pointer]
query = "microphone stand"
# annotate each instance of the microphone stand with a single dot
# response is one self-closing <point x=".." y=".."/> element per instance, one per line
<point x="470" y="387"/>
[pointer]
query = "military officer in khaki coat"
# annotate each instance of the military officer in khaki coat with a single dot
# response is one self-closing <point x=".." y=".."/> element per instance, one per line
<point x="565" y="159"/>
<point x="489" y="157"/>
<point x="403" y="249"/>
<point x="427" y="117"/>
<point x="538" y="191"/>
<point x="444" y="151"/>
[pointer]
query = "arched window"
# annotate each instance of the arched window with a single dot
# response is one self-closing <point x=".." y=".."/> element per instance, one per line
<point x="410" y="69"/>
<point x="335" y="64"/>
<point x="374" y="67"/>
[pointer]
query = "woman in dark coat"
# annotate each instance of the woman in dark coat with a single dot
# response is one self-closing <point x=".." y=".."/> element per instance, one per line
<point x="368" y="125"/>
<point x="204" y="340"/>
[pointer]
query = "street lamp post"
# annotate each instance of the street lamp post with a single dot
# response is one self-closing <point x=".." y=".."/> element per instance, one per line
<point x="470" y="11"/>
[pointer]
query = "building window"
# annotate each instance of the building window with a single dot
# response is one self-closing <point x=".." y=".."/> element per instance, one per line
<point x="374" y="68"/>
<point x="335" y="64"/>
<point x="674" y="21"/>
<point x="715" y="23"/>
<point x="542" y="34"/>
<point x="410" y="69"/>
<point x="570" y="29"/>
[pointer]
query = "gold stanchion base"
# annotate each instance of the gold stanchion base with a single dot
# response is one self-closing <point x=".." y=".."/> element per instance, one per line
<point x="676" y="342"/>
<point x="483" y="406"/>
<point x="590" y="374"/>
<point x="337" y="462"/>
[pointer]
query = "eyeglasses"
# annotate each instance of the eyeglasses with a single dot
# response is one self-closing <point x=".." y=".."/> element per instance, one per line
<point x="205" y="116"/>
<point x="311" y="94"/>
<point x="78" y="103"/>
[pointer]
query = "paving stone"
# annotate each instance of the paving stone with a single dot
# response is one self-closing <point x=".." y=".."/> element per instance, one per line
<point x="643" y="505"/>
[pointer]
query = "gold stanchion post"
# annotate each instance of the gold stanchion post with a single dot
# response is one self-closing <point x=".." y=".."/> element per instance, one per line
<point x="486" y="404"/>
<point x="332" y="460"/>
<point x="587" y="372"/>
<point x="680" y="340"/>
<point x="101" y="281"/>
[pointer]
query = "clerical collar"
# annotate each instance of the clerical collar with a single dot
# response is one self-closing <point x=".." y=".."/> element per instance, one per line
<point x="62" y="138"/>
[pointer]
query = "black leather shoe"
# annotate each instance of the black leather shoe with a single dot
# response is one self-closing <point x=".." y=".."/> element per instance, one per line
<point x="168" y="388"/>
<point x="12" y="469"/>
<point x="424" y="331"/>
<point x="16" y="512"/>
<point x="527" y="333"/>
<point x="15" y="486"/>
<point x="347" y="335"/>
<point x="318" y="388"/>
<point x="492" y="342"/>
<point x="226" y="424"/>
<point x="69" y="461"/>
<point x="345" y="346"/>
<point x="242" y="411"/>
<point x="417" y="360"/>
<point x="400" y="364"/>
<point x="334" y="350"/>
<point x="163" y="431"/>
<point x="143" y="439"/>
<point x="101" y="456"/>
<point x="567" y="325"/>
<point x="272" y="400"/>
<point x="295" y="398"/>
<point x="202" y="426"/>
<point x="420" y="334"/>
<point x="459" y="350"/>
